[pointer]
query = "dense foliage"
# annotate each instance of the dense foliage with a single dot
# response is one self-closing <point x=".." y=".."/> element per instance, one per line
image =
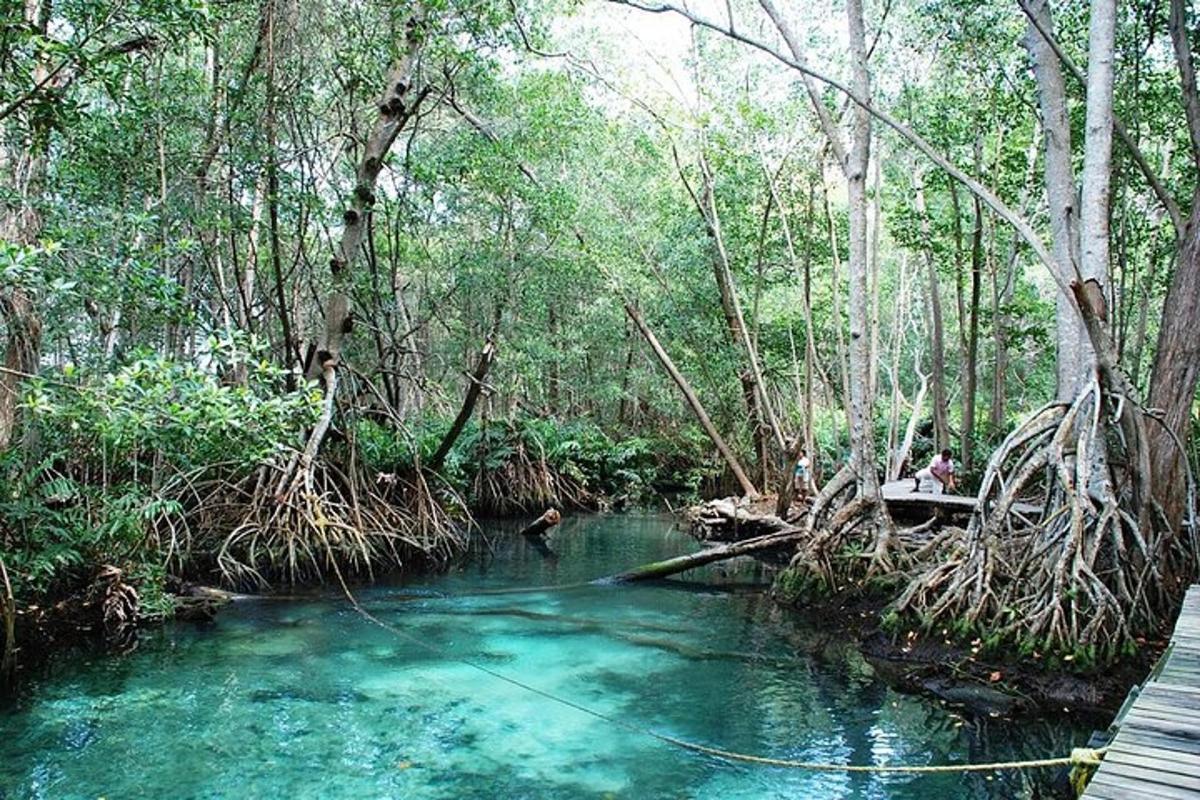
<point x="176" y="177"/>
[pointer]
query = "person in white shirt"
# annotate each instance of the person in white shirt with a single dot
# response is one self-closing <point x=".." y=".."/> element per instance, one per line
<point x="938" y="477"/>
<point x="802" y="477"/>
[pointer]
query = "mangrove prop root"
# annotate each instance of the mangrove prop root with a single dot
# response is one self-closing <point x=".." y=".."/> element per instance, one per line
<point x="327" y="514"/>
<point x="1096" y="569"/>
<point x="844" y="523"/>
<point x="524" y="481"/>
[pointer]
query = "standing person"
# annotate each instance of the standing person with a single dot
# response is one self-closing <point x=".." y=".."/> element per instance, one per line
<point x="940" y="472"/>
<point x="802" y="479"/>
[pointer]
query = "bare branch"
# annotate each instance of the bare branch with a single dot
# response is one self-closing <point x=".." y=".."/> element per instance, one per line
<point x="1177" y="22"/>
<point x="1160" y="191"/>
<point x="1022" y="226"/>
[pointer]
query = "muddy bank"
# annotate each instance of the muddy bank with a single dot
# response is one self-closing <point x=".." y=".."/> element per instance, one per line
<point x="934" y="663"/>
<point x="959" y="674"/>
<point x="90" y="621"/>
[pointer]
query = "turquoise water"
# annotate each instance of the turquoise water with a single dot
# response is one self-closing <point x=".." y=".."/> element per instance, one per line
<point x="306" y="699"/>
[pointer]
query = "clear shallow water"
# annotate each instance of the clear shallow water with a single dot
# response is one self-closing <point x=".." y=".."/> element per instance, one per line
<point x="307" y="699"/>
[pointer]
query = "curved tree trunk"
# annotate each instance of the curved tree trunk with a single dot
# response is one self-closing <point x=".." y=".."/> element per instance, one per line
<point x="693" y="402"/>
<point x="1176" y="370"/>
<point x="1177" y="360"/>
<point x="397" y="105"/>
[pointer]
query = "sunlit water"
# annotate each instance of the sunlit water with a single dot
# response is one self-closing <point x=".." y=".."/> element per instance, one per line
<point x="305" y="698"/>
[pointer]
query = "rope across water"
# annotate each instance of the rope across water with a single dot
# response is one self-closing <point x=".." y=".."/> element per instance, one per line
<point x="1080" y="756"/>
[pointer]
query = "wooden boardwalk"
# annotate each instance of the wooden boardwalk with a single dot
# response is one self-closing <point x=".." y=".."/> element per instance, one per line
<point x="1156" y="752"/>
<point x="899" y="494"/>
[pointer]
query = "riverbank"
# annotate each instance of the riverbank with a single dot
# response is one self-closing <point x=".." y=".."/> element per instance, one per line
<point x="933" y="663"/>
<point x="961" y="675"/>
<point x="942" y="668"/>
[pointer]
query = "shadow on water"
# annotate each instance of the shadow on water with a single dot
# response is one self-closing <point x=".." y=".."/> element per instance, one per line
<point x="308" y="699"/>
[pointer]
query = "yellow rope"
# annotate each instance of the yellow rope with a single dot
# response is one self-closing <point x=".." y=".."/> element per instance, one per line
<point x="1080" y="756"/>
<point x="1083" y="756"/>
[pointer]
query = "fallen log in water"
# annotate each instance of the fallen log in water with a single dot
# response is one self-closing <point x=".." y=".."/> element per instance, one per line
<point x="663" y="569"/>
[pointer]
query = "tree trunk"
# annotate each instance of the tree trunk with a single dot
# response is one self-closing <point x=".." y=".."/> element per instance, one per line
<point x="752" y="379"/>
<point x="672" y="566"/>
<point x="1177" y="361"/>
<point x="553" y="379"/>
<point x="8" y="616"/>
<point x="972" y="349"/>
<point x="693" y="402"/>
<point x="941" y="423"/>
<point x="487" y="357"/>
<point x="810" y="340"/>
<point x="20" y="357"/>
<point x="1176" y="370"/>
<point x="862" y="440"/>
<point x="1097" y="157"/>
<point x="397" y="105"/>
<point x="1073" y="349"/>
<point x="876" y="221"/>
<point x="854" y="162"/>
<point x="896" y="453"/>
<point x="545" y="522"/>
<point x="835" y="277"/>
<point x="22" y="224"/>
<point x="1000" y="297"/>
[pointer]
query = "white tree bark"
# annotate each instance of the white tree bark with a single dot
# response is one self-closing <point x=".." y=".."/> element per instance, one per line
<point x="1097" y="157"/>
<point x="1074" y="350"/>
<point x="862" y="442"/>
<point x="941" y="424"/>
<point x="854" y="162"/>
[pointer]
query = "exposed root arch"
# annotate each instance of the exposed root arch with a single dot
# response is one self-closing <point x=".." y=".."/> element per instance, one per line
<point x="849" y="535"/>
<point x="516" y="475"/>
<point x="304" y="513"/>
<point x="1098" y="566"/>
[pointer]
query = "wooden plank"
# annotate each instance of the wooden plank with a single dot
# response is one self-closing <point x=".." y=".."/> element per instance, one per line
<point x="1166" y="726"/>
<point x="1160" y="710"/>
<point x="1156" y="752"/>
<point x="1099" y="791"/>
<point x="1177" y="763"/>
<point x="1144" y="737"/>
<point x="1179" y="676"/>
<point x="1164" y="760"/>
<point x="1157" y="782"/>
<point x="1127" y="789"/>
<point x="1184" y="701"/>
<point x="1158" y="689"/>
<point x="900" y="493"/>
<point x="1184" y="658"/>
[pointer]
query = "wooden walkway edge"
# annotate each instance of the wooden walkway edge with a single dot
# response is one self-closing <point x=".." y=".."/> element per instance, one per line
<point x="1156" y="752"/>
<point x="900" y="494"/>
